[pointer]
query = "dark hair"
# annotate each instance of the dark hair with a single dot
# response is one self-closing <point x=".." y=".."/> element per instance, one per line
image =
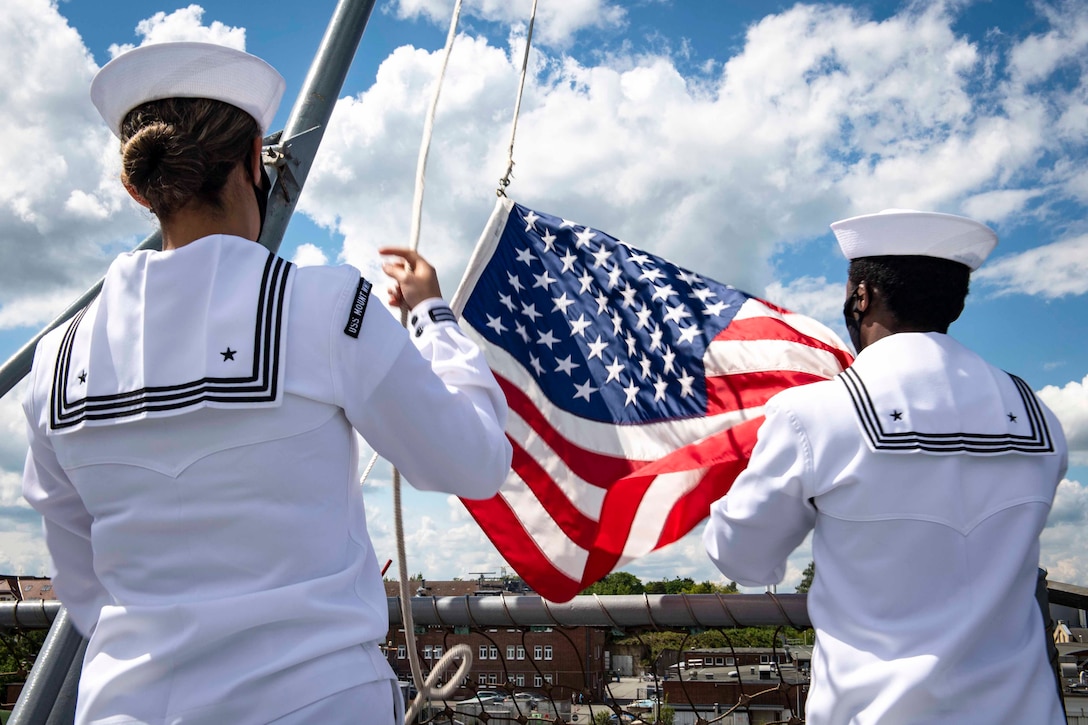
<point x="175" y="150"/>
<point x="922" y="292"/>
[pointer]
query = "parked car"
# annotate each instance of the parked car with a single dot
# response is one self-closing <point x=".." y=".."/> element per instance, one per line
<point x="523" y="699"/>
<point x="626" y="718"/>
<point x="484" y="697"/>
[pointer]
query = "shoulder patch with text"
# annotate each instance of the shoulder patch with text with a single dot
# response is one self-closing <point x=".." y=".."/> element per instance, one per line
<point x="358" y="307"/>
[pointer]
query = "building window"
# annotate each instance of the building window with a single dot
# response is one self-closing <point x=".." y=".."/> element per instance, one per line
<point x="521" y="652"/>
<point x="483" y="651"/>
<point x="494" y="652"/>
<point x="519" y="680"/>
<point x="537" y="681"/>
<point x="538" y="652"/>
<point x="764" y="659"/>
<point x="548" y="679"/>
<point x="482" y="678"/>
<point x="437" y="651"/>
<point x="493" y="678"/>
<point x="427" y="652"/>
<point x="729" y="662"/>
<point x="509" y="651"/>
<point x="401" y="652"/>
<point x="547" y="651"/>
<point x="719" y="660"/>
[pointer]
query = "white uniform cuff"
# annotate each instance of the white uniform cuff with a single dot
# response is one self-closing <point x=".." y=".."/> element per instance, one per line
<point x="430" y="312"/>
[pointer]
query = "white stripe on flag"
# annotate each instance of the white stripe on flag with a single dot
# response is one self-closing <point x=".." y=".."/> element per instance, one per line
<point x="564" y="554"/>
<point x="727" y="357"/>
<point x="583" y="496"/>
<point x="654" y="509"/>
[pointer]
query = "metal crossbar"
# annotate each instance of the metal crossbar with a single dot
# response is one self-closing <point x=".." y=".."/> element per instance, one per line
<point x="510" y="690"/>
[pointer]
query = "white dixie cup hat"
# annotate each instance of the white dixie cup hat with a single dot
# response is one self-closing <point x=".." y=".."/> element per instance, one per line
<point x="186" y="70"/>
<point x="900" y="232"/>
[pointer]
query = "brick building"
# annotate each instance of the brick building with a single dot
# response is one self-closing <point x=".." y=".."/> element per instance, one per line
<point x="560" y="661"/>
<point x="15" y="588"/>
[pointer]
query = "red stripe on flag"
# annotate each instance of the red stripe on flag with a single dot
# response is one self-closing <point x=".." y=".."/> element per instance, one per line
<point x="622" y="501"/>
<point x="520" y="550"/>
<point x="759" y="329"/>
<point x="737" y="444"/>
<point x="743" y="391"/>
<point x="595" y="468"/>
<point x="578" y="527"/>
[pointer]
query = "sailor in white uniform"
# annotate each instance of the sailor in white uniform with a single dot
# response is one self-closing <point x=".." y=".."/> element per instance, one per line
<point x="926" y="475"/>
<point x="192" y="433"/>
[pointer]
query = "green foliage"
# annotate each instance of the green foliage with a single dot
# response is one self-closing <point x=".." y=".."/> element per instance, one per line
<point x="658" y="642"/>
<point x="666" y="714"/>
<point x="601" y="718"/>
<point x="618" y="582"/>
<point x="670" y="586"/>
<point x="806" y="577"/>
<point x="709" y="587"/>
<point x="18" y="648"/>
<point x="621" y="582"/>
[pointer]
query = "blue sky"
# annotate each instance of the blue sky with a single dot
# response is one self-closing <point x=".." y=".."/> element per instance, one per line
<point x="723" y="135"/>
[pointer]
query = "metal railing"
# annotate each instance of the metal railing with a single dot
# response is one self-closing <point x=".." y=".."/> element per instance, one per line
<point x="560" y="683"/>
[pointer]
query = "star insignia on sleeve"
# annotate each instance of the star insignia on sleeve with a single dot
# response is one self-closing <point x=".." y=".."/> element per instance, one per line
<point x="1012" y="418"/>
<point x="228" y="354"/>
<point x="83" y="376"/>
<point x="897" y="415"/>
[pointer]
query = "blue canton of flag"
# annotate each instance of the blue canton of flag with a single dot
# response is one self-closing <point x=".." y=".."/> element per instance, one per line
<point x="610" y="333"/>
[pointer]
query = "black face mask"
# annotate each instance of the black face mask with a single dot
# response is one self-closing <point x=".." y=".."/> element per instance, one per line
<point x="261" y="193"/>
<point x="853" y="324"/>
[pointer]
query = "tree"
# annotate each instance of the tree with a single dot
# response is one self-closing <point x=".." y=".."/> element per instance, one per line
<point x="666" y="714"/>
<point x="18" y="650"/>
<point x="806" y="578"/>
<point x="618" y="582"/>
<point x="687" y="585"/>
<point x="676" y="585"/>
<point x="709" y="587"/>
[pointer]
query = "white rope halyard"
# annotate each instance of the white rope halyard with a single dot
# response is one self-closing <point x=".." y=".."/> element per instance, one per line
<point x="427" y="690"/>
<point x="505" y="180"/>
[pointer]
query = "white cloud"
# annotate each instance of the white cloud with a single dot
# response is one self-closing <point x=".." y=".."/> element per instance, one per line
<point x="556" y="22"/>
<point x="184" y="24"/>
<point x="811" y="296"/>
<point x="822" y="114"/>
<point x="996" y="206"/>
<point x="1050" y="271"/>
<point x="1038" y="56"/>
<point x="61" y="207"/>
<point x="308" y="255"/>
<point x="1065" y="538"/>
<point x="1070" y="404"/>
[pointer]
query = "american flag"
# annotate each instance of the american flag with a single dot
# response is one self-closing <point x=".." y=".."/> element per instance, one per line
<point x="635" y="389"/>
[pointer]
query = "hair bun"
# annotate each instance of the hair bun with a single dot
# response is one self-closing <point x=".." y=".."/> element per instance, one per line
<point x="165" y="164"/>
